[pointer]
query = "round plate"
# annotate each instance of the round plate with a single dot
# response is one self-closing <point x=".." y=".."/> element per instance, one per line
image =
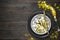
<point x="40" y="24"/>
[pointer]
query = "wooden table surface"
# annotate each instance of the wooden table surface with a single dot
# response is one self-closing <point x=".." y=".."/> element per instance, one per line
<point x="14" y="15"/>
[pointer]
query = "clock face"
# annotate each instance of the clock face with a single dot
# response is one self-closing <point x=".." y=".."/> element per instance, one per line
<point x="40" y="24"/>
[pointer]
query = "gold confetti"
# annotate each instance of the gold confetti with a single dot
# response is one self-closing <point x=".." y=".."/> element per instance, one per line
<point x="57" y="7"/>
<point x="31" y="38"/>
<point x="55" y="4"/>
<point x="54" y="35"/>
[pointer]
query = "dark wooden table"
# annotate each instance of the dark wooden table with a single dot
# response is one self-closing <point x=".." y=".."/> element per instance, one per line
<point x="14" y="15"/>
